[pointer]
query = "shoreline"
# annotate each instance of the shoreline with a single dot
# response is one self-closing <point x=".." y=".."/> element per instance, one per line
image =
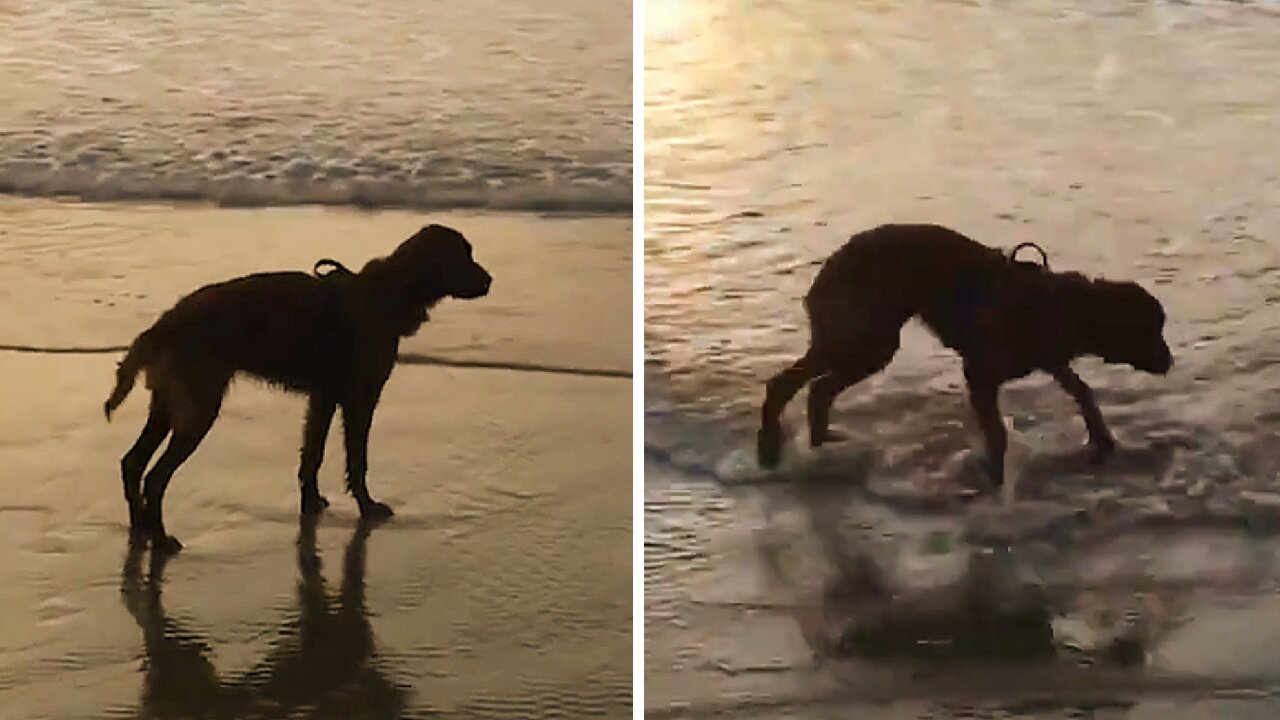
<point x="180" y="201"/>
<point x="549" y="207"/>
<point x="403" y="359"/>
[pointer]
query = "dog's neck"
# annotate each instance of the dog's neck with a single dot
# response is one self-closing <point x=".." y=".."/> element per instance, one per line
<point x="1085" y="314"/>
<point x="413" y="318"/>
<point x="405" y="312"/>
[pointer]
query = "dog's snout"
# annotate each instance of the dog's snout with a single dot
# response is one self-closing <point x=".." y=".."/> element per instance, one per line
<point x="1164" y="361"/>
<point x="475" y="285"/>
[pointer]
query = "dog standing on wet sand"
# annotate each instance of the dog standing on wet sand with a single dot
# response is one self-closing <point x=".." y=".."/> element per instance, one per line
<point x="333" y="337"/>
<point x="1005" y="318"/>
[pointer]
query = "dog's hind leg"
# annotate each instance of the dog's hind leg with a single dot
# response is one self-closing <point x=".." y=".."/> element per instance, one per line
<point x="866" y="358"/>
<point x="319" y="416"/>
<point x="192" y="420"/>
<point x="1100" y="438"/>
<point x="134" y="462"/>
<point x="779" y="390"/>
<point x="357" y="418"/>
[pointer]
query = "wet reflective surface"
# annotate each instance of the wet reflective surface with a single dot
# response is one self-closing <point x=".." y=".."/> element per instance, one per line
<point x="1132" y="140"/>
<point x="324" y="661"/>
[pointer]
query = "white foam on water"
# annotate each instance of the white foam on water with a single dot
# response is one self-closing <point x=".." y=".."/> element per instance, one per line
<point x="799" y="460"/>
<point x="497" y="105"/>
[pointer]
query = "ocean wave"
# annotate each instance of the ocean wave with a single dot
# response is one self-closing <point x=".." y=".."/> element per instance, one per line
<point x="488" y="105"/>
<point x="234" y="180"/>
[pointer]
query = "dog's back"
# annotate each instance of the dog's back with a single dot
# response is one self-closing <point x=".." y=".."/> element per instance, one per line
<point x="897" y="252"/>
<point x="283" y="327"/>
<point x="891" y="273"/>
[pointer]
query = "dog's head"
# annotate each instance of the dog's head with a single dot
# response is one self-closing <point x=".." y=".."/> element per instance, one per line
<point x="1128" y="327"/>
<point x="436" y="263"/>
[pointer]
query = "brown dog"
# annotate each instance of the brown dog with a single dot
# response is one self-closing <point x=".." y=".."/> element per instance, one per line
<point x="333" y="337"/>
<point x="1005" y="318"/>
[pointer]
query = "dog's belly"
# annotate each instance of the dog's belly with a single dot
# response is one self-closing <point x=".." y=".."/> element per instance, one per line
<point x="292" y="379"/>
<point x="996" y="342"/>
<point x="304" y="367"/>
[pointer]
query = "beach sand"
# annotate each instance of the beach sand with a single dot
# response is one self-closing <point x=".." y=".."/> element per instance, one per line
<point x="501" y="588"/>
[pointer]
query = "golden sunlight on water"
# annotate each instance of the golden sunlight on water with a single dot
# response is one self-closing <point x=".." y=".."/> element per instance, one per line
<point x="1132" y="140"/>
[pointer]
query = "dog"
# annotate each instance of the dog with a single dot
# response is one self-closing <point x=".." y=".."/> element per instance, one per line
<point x="331" y="335"/>
<point x="1006" y="318"/>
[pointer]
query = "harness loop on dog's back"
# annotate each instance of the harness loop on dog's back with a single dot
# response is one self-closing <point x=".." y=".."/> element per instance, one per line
<point x="1044" y="256"/>
<point x="333" y="267"/>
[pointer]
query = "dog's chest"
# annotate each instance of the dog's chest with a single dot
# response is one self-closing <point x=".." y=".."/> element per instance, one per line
<point x="999" y="323"/>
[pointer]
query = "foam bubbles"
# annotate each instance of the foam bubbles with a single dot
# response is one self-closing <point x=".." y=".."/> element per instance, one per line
<point x="330" y="103"/>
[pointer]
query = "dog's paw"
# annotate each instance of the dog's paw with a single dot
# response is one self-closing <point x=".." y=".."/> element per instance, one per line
<point x="829" y="436"/>
<point x="374" y="510"/>
<point x="314" y="504"/>
<point x="995" y="472"/>
<point x="768" y="449"/>
<point x="1101" y="450"/>
<point x="165" y="544"/>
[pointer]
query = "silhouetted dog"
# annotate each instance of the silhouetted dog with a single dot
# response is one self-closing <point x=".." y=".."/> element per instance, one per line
<point x="333" y="337"/>
<point x="1006" y="319"/>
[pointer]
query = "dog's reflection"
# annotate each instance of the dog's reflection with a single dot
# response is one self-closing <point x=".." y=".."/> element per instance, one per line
<point x="323" y="664"/>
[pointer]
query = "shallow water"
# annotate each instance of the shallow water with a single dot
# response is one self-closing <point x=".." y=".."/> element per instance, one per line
<point x="1134" y="140"/>
<point x="513" y="105"/>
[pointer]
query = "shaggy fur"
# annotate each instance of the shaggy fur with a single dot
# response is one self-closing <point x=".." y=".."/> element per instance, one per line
<point x="332" y="336"/>
<point x="1005" y="318"/>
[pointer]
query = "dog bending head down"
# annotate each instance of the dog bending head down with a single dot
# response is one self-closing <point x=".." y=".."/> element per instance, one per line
<point x="1005" y="318"/>
<point x="332" y="335"/>
<point x="1128" y="326"/>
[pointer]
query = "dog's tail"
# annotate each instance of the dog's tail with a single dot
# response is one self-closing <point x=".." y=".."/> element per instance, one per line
<point x="135" y="359"/>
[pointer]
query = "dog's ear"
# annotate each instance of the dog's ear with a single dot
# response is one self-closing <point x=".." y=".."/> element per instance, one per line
<point x="425" y="266"/>
<point x="432" y="242"/>
<point x="408" y="256"/>
<point x="1127" y="303"/>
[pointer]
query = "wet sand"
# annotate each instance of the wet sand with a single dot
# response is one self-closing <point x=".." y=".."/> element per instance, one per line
<point x="501" y="588"/>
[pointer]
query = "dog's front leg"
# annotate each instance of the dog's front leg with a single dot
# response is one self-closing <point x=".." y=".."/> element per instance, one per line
<point x="357" y="418"/>
<point x="984" y="397"/>
<point x="319" y="416"/>
<point x="1100" y="438"/>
